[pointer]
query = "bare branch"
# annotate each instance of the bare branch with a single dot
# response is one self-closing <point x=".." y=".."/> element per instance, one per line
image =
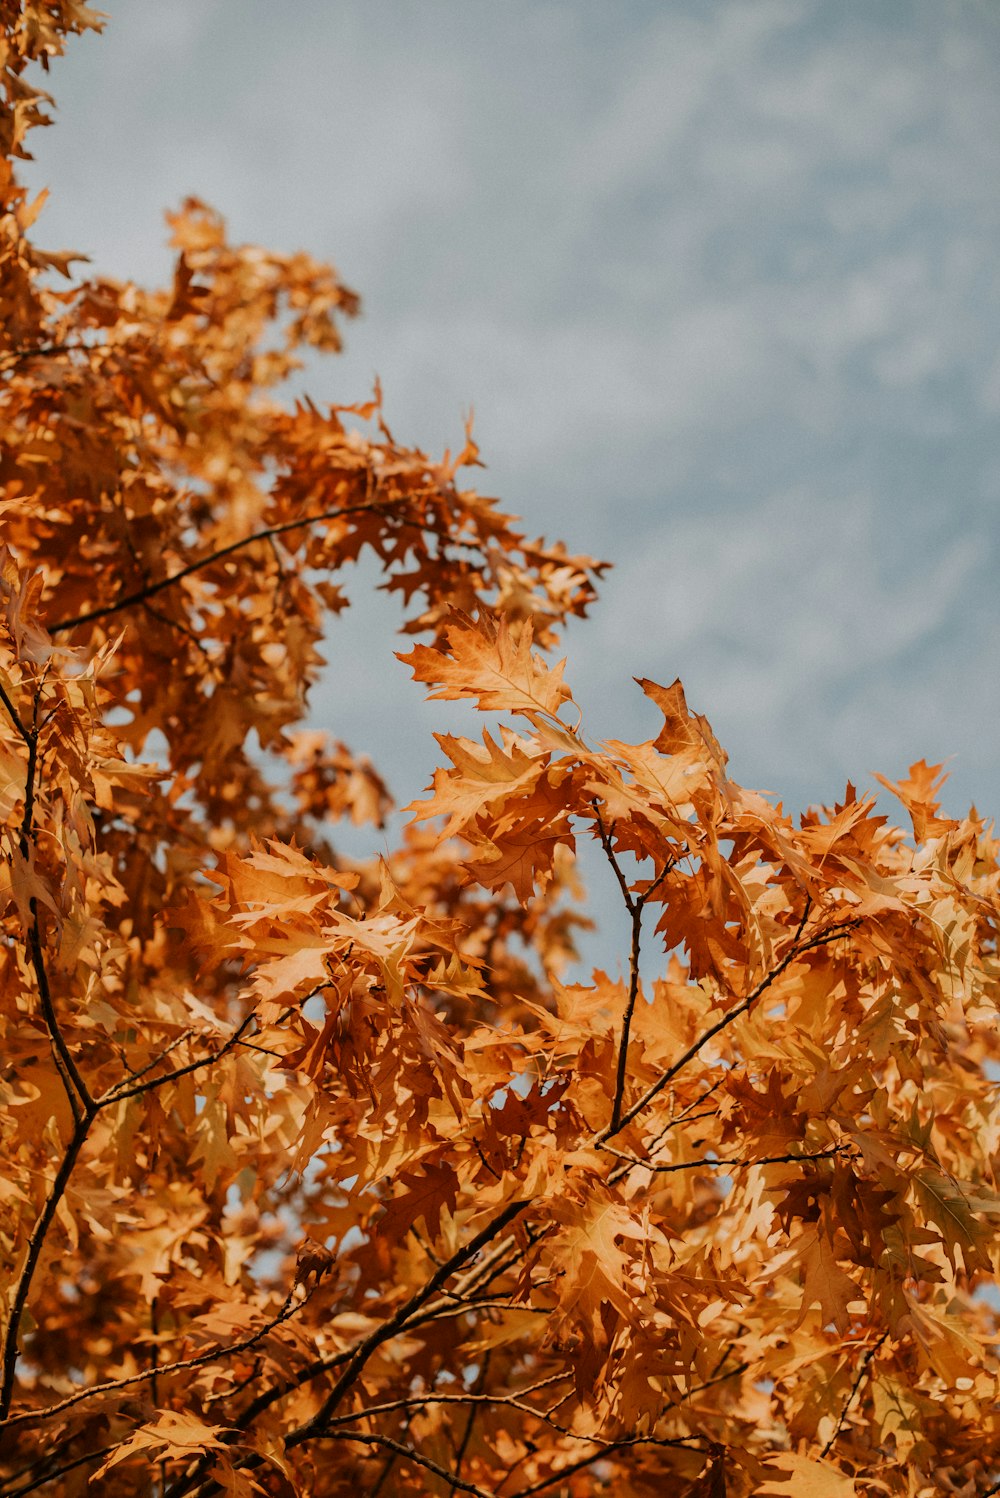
<point x="606" y="836"/>
<point x="80" y="1102"/>
<point x="404" y="1319"/>
<point x="172" y="1045"/>
<point x="395" y="1323"/>
<point x="10" y="358"/>
<point x="602" y="1449"/>
<point x="14" y="716"/>
<point x="470" y="1420"/>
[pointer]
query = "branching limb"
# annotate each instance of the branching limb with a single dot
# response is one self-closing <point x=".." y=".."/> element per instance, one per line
<point x="796" y="950"/>
<point x="395" y="1323"/>
<point x="161" y="1370"/>
<point x="718" y="1378"/>
<point x="386" y="1471"/>
<point x="603" y="1449"/>
<point x="80" y="1101"/>
<point x="470" y="1420"/>
<point x="635" y="905"/>
<point x="406" y="1318"/>
<point x="128" y="1087"/>
<point x="121" y="1091"/>
<point x="178" y="1040"/>
<point x="409" y="1453"/>
<point x="475" y="1398"/>
<point x="10" y="358"/>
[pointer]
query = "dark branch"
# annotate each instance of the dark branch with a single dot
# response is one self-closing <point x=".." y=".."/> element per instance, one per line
<point x="34" y="1483"/>
<point x="36" y="1242"/>
<point x="862" y="1370"/>
<point x="724" y="1165"/>
<point x="120" y="1092"/>
<point x="635" y="905"/>
<point x="159" y="1370"/>
<point x="822" y="939"/>
<point x="150" y="590"/>
<point x="410" y="1453"/>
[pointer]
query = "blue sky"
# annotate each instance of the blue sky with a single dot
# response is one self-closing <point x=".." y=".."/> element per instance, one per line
<point x="720" y="280"/>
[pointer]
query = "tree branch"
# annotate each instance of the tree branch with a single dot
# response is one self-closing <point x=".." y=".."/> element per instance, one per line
<point x="635" y="905"/>
<point x="823" y="938"/>
<point x="636" y="1160"/>
<point x="470" y="1420"/>
<point x="80" y="1102"/>
<point x="410" y="1453"/>
<point x="150" y="590"/>
<point x="405" y="1319"/>
<point x="395" y="1323"/>
<point x="120" y="1091"/>
<point x="605" y="1449"/>
<point x="862" y="1370"/>
<point x="161" y="1370"/>
<point x="8" y="1360"/>
<point x="34" y="1483"/>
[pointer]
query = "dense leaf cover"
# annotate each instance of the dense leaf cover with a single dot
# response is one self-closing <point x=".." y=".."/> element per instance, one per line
<point x="318" y="1178"/>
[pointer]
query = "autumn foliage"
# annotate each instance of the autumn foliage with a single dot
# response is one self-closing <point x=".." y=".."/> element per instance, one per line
<point x="319" y="1176"/>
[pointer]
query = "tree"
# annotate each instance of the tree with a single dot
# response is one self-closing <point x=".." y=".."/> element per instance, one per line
<point x="319" y="1178"/>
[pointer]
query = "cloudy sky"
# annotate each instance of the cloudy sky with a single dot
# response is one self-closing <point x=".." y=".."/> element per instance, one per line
<point x="720" y="280"/>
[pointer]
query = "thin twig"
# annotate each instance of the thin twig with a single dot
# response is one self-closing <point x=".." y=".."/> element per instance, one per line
<point x="120" y="1092"/>
<point x="686" y="1115"/>
<point x="35" y="1245"/>
<point x="134" y="1076"/>
<point x="14" y="716"/>
<point x="605" y="1449"/>
<point x="409" y="1453"/>
<point x="634" y="904"/>
<point x="636" y="1160"/>
<point x="717" y="1378"/>
<point x="823" y="938"/>
<point x="404" y="1319"/>
<point x="475" y="1398"/>
<point x="862" y="1370"/>
<point x="150" y="590"/>
<point x="161" y="1370"/>
<point x="386" y="1471"/>
<point x="389" y="1328"/>
<point x="39" y="1482"/>
<point x="80" y="1102"/>
<point x="470" y="1420"/>
<point x="14" y="356"/>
